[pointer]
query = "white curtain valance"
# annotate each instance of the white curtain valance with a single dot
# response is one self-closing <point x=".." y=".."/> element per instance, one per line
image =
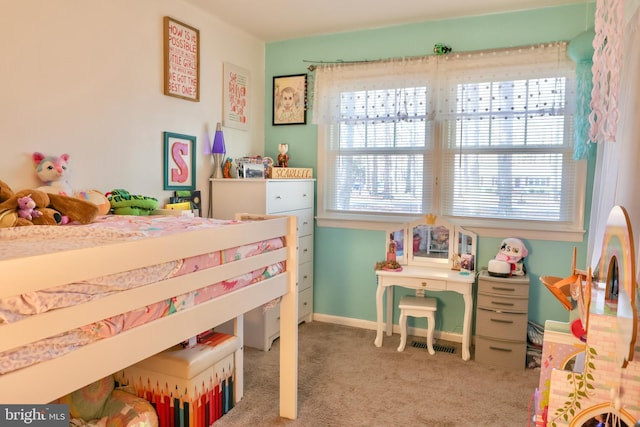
<point x="334" y="82"/>
<point x="439" y="75"/>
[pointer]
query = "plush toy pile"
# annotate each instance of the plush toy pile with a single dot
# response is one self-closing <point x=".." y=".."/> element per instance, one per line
<point x="103" y="404"/>
<point x="54" y="173"/>
<point x="36" y="207"/>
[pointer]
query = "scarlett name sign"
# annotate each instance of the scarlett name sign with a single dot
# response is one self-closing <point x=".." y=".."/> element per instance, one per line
<point x="182" y="71"/>
<point x="291" y="173"/>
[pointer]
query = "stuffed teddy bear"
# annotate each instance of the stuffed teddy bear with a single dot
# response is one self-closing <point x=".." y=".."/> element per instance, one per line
<point x="75" y="209"/>
<point x="27" y="208"/>
<point x="10" y="208"/>
<point x="51" y="209"/>
<point x="510" y="259"/>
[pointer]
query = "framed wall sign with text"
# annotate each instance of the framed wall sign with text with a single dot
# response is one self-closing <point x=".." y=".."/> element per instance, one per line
<point x="181" y="60"/>
<point x="236" y="94"/>
<point x="179" y="162"/>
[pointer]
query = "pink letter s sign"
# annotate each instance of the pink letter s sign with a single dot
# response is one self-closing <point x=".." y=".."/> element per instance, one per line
<point x="179" y="161"/>
<point x="181" y="173"/>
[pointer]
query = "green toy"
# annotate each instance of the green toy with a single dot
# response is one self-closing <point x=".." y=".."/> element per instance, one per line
<point x="123" y="203"/>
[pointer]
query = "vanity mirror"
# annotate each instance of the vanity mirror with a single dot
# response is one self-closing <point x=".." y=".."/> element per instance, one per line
<point x="432" y="241"/>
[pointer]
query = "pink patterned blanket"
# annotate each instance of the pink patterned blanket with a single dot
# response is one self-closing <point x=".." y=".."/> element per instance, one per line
<point x="24" y="241"/>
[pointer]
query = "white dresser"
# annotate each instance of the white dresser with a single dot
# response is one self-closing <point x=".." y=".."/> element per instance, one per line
<point x="274" y="197"/>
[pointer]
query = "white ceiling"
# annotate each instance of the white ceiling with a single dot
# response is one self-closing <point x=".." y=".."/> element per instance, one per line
<point x="273" y="20"/>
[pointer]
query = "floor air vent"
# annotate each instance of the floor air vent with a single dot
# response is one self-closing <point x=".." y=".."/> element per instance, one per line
<point x="436" y="347"/>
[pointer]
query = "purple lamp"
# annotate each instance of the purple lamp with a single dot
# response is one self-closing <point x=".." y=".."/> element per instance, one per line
<point x="218" y="152"/>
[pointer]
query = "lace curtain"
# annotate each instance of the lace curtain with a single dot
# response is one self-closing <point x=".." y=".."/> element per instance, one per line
<point x="334" y="82"/>
<point x="546" y="64"/>
<point x="440" y="74"/>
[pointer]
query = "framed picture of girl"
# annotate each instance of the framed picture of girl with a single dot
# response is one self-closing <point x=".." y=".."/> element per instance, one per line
<point x="289" y="100"/>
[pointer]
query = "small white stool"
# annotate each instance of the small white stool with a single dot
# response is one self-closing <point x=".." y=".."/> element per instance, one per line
<point x="417" y="307"/>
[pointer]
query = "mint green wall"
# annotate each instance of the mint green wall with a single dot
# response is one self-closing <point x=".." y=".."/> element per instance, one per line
<point x="344" y="280"/>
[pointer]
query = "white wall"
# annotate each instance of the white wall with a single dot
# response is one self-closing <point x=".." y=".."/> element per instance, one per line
<point x="85" y="77"/>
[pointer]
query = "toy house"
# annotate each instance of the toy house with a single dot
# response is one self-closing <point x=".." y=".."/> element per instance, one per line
<point x="591" y="367"/>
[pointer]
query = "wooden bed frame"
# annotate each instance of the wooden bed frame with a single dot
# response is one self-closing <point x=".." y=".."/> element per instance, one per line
<point x="46" y="381"/>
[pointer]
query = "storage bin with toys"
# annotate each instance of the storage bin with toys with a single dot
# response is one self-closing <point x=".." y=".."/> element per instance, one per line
<point x="190" y="385"/>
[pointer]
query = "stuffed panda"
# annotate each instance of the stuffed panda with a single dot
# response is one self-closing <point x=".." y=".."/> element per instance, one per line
<point x="510" y="259"/>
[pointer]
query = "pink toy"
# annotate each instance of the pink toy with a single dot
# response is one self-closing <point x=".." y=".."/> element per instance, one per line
<point x="26" y="208"/>
<point x="508" y="261"/>
<point x="53" y="172"/>
<point x="512" y="250"/>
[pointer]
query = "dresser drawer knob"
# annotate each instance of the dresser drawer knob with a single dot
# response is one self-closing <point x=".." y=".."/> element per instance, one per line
<point x="424" y="284"/>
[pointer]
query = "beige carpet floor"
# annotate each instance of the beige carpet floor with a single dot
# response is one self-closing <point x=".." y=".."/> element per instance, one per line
<point x="344" y="380"/>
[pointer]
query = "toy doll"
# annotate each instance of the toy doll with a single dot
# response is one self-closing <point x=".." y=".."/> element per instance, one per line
<point x="283" y="157"/>
<point x="509" y="260"/>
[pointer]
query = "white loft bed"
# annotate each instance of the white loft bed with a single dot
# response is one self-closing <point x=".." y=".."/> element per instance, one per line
<point x="46" y="381"/>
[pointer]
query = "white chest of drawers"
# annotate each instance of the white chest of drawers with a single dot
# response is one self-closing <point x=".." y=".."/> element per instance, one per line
<point x="273" y="197"/>
<point x="501" y="321"/>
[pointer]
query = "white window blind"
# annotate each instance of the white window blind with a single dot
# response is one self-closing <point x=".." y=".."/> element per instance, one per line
<point x="506" y="152"/>
<point x="484" y="136"/>
<point x="381" y="163"/>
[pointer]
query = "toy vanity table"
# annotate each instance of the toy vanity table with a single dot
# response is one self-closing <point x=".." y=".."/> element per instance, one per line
<point x="435" y="256"/>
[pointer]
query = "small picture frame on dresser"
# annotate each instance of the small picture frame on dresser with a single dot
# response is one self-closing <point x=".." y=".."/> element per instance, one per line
<point x="467" y="262"/>
<point x="253" y="170"/>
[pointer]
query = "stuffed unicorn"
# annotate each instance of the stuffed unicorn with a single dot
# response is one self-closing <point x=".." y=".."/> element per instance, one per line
<point x="53" y="172"/>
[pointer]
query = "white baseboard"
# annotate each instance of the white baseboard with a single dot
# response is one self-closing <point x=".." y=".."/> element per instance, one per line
<point x="367" y="324"/>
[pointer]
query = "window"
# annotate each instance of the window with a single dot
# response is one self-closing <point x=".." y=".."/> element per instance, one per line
<point x="510" y="152"/>
<point x="483" y="139"/>
<point x="381" y="164"/>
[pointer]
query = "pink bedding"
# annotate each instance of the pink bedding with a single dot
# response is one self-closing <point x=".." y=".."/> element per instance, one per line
<point x="24" y="241"/>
